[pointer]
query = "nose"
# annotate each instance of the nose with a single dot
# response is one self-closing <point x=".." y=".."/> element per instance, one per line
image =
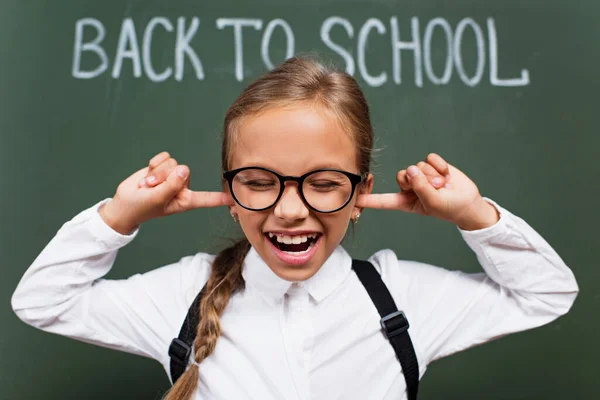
<point x="290" y="206"/>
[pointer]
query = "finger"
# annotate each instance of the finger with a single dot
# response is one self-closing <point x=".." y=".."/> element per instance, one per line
<point x="140" y="173"/>
<point x="159" y="174"/>
<point x="157" y="159"/>
<point x="209" y="199"/>
<point x="402" y="180"/>
<point x="387" y="201"/>
<point x="433" y="176"/>
<point x="173" y="184"/>
<point x="136" y="176"/>
<point x="186" y="184"/>
<point x="437" y="162"/>
<point x="166" y="161"/>
<point x="428" y="195"/>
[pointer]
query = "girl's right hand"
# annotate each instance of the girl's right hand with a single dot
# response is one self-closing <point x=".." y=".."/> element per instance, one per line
<point x="158" y="190"/>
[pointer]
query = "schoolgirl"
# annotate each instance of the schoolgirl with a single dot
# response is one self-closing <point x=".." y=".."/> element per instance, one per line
<point x="283" y="314"/>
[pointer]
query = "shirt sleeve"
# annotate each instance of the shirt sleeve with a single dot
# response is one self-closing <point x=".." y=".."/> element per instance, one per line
<point x="63" y="291"/>
<point x="525" y="284"/>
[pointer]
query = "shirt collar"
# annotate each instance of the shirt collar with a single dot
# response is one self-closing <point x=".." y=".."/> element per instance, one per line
<point x="333" y="272"/>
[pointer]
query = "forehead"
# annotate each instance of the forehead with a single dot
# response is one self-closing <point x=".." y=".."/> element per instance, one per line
<point x="293" y="140"/>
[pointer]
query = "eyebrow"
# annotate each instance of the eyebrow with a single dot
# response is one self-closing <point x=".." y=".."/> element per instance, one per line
<point x="306" y="170"/>
<point x="325" y="166"/>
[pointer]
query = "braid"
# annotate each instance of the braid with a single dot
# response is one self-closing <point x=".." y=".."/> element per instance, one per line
<point x="225" y="279"/>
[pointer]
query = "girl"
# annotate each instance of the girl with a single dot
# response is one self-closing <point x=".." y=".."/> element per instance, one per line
<point x="284" y="316"/>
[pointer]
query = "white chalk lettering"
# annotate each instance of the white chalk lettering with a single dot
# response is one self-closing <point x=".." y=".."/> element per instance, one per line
<point x="462" y="25"/>
<point x="398" y="46"/>
<point x="182" y="48"/>
<point x="127" y="48"/>
<point x="147" y="48"/>
<point x="238" y="24"/>
<point x="429" y="29"/>
<point x="437" y="53"/>
<point x="363" y="35"/>
<point x="266" y="39"/>
<point x="493" y="43"/>
<point x="325" y="38"/>
<point x="93" y="46"/>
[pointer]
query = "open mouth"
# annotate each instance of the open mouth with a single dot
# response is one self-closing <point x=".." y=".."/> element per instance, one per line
<point x="293" y="244"/>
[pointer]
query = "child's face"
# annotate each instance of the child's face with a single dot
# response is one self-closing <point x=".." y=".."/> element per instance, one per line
<point x="294" y="141"/>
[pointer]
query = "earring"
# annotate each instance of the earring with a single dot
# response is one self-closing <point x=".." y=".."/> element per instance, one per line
<point x="235" y="217"/>
<point x="355" y="218"/>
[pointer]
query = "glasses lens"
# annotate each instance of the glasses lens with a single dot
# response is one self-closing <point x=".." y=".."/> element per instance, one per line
<point x="327" y="190"/>
<point x="255" y="188"/>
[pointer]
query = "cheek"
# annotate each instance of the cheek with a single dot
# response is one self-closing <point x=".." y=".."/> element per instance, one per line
<point x="251" y="223"/>
<point x="337" y="224"/>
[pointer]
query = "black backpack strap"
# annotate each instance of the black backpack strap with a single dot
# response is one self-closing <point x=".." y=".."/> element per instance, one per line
<point x="181" y="347"/>
<point x="393" y="322"/>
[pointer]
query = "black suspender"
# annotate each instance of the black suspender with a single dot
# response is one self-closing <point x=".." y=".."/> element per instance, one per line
<point x="181" y="347"/>
<point x="393" y="323"/>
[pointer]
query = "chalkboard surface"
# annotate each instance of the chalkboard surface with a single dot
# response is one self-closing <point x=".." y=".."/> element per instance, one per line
<point x="505" y="90"/>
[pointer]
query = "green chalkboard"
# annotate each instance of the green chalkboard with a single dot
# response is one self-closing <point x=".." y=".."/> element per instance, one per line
<point x="505" y="90"/>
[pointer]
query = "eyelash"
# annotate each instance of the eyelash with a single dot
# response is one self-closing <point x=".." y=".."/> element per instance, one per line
<point x="259" y="184"/>
<point x="326" y="185"/>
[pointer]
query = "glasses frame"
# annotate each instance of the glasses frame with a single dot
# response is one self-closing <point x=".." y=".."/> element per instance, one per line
<point x="354" y="180"/>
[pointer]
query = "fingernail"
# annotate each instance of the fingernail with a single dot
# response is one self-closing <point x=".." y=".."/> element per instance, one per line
<point x="142" y="182"/>
<point x="413" y="171"/>
<point x="437" y="181"/>
<point x="181" y="172"/>
<point x="150" y="179"/>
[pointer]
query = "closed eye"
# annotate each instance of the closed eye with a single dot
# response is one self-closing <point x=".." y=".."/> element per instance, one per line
<point x="255" y="184"/>
<point x="324" y="185"/>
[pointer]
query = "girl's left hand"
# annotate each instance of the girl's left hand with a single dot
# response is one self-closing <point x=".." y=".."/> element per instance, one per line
<point x="458" y="201"/>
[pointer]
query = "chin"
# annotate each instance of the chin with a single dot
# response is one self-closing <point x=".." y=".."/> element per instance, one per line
<point x="296" y="273"/>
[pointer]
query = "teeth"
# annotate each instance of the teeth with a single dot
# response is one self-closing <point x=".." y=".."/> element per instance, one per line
<point x="292" y="239"/>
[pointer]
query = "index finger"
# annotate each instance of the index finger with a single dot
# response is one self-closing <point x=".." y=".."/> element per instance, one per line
<point x="210" y="199"/>
<point x="387" y="201"/>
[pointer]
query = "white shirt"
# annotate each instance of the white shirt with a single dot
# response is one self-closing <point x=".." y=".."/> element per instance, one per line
<point x="320" y="339"/>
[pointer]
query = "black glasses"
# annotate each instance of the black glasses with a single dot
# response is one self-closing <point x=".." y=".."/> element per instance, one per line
<point x="322" y="190"/>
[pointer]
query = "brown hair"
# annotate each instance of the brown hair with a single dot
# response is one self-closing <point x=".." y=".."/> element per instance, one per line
<point x="298" y="80"/>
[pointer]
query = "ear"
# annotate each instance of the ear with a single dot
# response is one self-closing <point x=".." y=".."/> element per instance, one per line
<point x="232" y="208"/>
<point x="366" y="187"/>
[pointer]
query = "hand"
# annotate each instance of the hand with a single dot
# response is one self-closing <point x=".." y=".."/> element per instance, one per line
<point x="457" y="200"/>
<point x="158" y="190"/>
